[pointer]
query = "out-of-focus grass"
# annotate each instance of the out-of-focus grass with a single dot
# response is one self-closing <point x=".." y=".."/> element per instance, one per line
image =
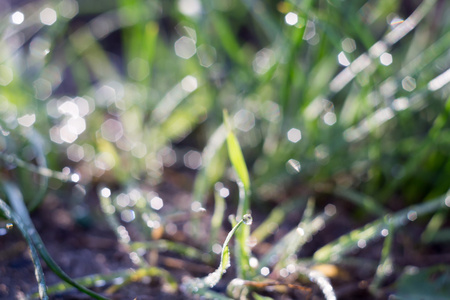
<point x="337" y="98"/>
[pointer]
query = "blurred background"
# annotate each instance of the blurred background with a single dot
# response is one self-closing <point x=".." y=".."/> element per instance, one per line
<point x="343" y="101"/>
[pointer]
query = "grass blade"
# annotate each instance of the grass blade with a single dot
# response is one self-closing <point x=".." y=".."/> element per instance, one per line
<point x="217" y="218"/>
<point x="322" y="281"/>
<point x="334" y="250"/>
<point x="385" y="266"/>
<point x="236" y="156"/>
<point x="7" y="211"/>
<point x="19" y="207"/>
<point x="200" y="285"/>
<point x="117" y="278"/>
<point x="237" y="160"/>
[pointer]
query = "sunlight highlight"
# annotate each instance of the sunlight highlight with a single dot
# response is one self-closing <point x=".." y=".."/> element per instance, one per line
<point x="48" y="16"/>
<point x="294" y="135"/>
<point x="17" y="18"/>
<point x="291" y="18"/>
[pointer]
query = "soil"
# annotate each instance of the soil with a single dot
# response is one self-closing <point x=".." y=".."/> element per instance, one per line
<point x="83" y="244"/>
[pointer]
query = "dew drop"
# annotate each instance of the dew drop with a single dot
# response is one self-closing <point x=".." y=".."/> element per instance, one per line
<point x="447" y="201"/>
<point x="362" y="243"/>
<point x="412" y="215"/>
<point x="248" y="220"/>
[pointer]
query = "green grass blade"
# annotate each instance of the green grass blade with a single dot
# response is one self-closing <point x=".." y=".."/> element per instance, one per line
<point x="217" y="218"/>
<point x="15" y="218"/>
<point x="242" y="251"/>
<point x="272" y="222"/>
<point x="367" y="203"/>
<point x="118" y="277"/>
<point x="336" y="249"/>
<point x="385" y="266"/>
<point x="293" y="241"/>
<point x="37" y="143"/>
<point x="236" y="156"/>
<point x="434" y="226"/>
<point x="179" y="248"/>
<point x="43" y="171"/>
<point x="227" y="38"/>
<point x="322" y="281"/>
<point x="16" y="201"/>
<point x="200" y="285"/>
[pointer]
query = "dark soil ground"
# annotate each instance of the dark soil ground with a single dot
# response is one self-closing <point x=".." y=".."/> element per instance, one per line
<point x="85" y="246"/>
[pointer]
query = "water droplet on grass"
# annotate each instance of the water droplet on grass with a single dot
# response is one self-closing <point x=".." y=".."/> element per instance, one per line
<point x="248" y="220"/>
<point x="362" y="243"/>
<point x="412" y="215"/>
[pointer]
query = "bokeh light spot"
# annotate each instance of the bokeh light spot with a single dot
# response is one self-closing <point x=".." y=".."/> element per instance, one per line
<point x="193" y="159"/>
<point x="17" y="18"/>
<point x="265" y="271"/>
<point x="69" y="108"/>
<point x="27" y="120"/>
<point x="156" y="203"/>
<point x="293" y="166"/>
<point x="400" y="104"/>
<point x="75" y="152"/>
<point x="409" y="84"/>
<point x="105" y="161"/>
<point x="48" y="16"/>
<point x="207" y="55"/>
<point x="329" y="118"/>
<point x="349" y="45"/>
<point x="386" y="59"/>
<point x="77" y="125"/>
<point x="189" y="83"/>
<point x="244" y="120"/>
<point x="291" y="18"/>
<point x="191" y="8"/>
<point x="68" y="8"/>
<point x="343" y="60"/>
<point x="185" y="47"/>
<point x="294" y="135"/>
<point x="67" y="134"/>
<point x="105" y="192"/>
<point x="224" y="192"/>
<point x="112" y="130"/>
<point x="42" y="88"/>
<point x="264" y="60"/>
<point x="127" y="215"/>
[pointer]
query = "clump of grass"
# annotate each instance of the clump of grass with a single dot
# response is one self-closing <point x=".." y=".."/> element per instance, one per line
<point x="343" y="101"/>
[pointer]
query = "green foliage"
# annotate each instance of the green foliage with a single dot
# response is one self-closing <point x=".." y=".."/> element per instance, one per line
<point x="332" y="100"/>
<point x="34" y="241"/>
<point x="199" y="286"/>
<point x="427" y="283"/>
